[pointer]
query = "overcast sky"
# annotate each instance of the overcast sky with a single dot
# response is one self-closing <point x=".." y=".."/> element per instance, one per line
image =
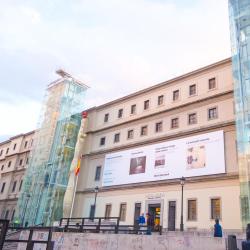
<point x="114" y="46"/>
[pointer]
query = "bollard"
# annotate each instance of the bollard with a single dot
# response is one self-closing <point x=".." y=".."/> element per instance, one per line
<point x="232" y="243"/>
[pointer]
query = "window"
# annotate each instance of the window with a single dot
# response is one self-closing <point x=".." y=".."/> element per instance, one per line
<point x="25" y="144"/>
<point x="98" y="173"/>
<point x="1" y="152"/>
<point x="6" y="214"/>
<point x="9" y="164"/>
<point x="215" y="208"/>
<point x="13" y="214"/>
<point x="106" y="117"/>
<point x="175" y="123"/>
<point x="14" y="146"/>
<point x="117" y="137"/>
<point x="146" y="104"/>
<point x="120" y="113"/>
<point x="102" y="141"/>
<point x="7" y="151"/>
<point x="212" y="113"/>
<point x="192" y="210"/>
<point x="20" y="162"/>
<point x="2" y="167"/>
<point x="20" y="186"/>
<point x="27" y="160"/>
<point x="123" y="208"/>
<point x="108" y="210"/>
<point x="160" y="99"/>
<point x="192" y="89"/>
<point x="211" y="83"/>
<point x="92" y="211"/>
<point x="3" y="186"/>
<point x="158" y="127"/>
<point x="130" y="134"/>
<point x="144" y="130"/>
<point x="192" y="119"/>
<point x="14" y="186"/>
<point x="176" y="95"/>
<point x="133" y="109"/>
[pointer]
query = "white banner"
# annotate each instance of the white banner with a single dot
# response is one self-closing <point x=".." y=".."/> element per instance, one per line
<point x="192" y="156"/>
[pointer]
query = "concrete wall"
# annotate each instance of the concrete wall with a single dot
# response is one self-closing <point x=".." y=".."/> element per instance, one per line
<point x="137" y="242"/>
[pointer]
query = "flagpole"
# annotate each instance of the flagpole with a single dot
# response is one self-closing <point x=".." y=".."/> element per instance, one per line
<point x="74" y="195"/>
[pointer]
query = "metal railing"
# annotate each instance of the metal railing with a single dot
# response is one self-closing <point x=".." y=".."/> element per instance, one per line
<point x="101" y="224"/>
<point x="87" y="224"/>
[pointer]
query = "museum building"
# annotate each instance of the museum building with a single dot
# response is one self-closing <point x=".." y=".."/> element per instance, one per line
<point x="136" y="148"/>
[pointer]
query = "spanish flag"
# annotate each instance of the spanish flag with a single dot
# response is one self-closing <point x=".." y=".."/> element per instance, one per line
<point x="77" y="169"/>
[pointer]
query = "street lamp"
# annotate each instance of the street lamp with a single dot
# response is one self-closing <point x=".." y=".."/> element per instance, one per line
<point x="96" y="192"/>
<point x="28" y="197"/>
<point x="182" y="181"/>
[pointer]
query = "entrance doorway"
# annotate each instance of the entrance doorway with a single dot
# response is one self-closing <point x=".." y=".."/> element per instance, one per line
<point x="171" y="215"/>
<point x="155" y="211"/>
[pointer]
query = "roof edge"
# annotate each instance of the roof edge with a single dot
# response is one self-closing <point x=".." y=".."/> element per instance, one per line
<point x="158" y="85"/>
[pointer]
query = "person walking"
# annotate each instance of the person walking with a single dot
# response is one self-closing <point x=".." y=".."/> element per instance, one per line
<point x="217" y="229"/>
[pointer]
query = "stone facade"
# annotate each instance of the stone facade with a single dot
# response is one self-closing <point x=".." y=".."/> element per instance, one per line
<point x="176" y="98"/>
<point x="14" y="159"/>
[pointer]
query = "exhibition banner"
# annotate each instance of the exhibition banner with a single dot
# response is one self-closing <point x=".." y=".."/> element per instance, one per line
<point x="191" y="156"/>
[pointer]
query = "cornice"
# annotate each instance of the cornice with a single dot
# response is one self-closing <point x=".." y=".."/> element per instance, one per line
<point x="159" y="85"/>
<point x="144" y="142"/>
<point x="189" y="180"/>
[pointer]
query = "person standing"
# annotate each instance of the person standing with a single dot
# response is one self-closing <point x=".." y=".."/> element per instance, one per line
<point x="150" y="224"/>
<point x="142" y="220"/>
<point x="217" y="229"/>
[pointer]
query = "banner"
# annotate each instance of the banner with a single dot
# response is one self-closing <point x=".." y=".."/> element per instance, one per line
<point x="191" y="156"/>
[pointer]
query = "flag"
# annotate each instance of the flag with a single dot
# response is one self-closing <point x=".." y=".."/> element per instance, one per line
<point x="77" y="169"/>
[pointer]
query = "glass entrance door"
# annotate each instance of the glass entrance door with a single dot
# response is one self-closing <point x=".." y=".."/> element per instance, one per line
<point x="155" y="211"/>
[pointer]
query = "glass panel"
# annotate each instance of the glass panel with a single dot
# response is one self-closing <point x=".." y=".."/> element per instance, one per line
<point x="239" y="11"/>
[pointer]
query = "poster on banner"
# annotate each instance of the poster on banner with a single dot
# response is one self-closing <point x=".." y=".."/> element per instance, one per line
<point x="191" y="156"/>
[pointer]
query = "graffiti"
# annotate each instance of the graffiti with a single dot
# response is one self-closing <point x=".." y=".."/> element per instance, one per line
<point x="84" y="241"/>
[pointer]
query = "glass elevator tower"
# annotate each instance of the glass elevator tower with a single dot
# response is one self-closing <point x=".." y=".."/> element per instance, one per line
<point x="239" y="11"/>
<point x="46" y="179"/>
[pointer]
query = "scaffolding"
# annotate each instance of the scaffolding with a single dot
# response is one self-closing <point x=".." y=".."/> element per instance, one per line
<point x="46" y="179"/>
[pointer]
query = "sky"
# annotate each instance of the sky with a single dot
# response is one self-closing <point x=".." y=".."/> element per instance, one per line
<point x="114" y="46"/>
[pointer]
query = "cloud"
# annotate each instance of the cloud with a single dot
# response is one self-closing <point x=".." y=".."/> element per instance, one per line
<point x="19" y="116"/>
<point x="115" y="46"/>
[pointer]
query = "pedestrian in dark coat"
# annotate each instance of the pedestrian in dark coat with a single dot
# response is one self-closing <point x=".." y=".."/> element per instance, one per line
<point x="150" y="223"/>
